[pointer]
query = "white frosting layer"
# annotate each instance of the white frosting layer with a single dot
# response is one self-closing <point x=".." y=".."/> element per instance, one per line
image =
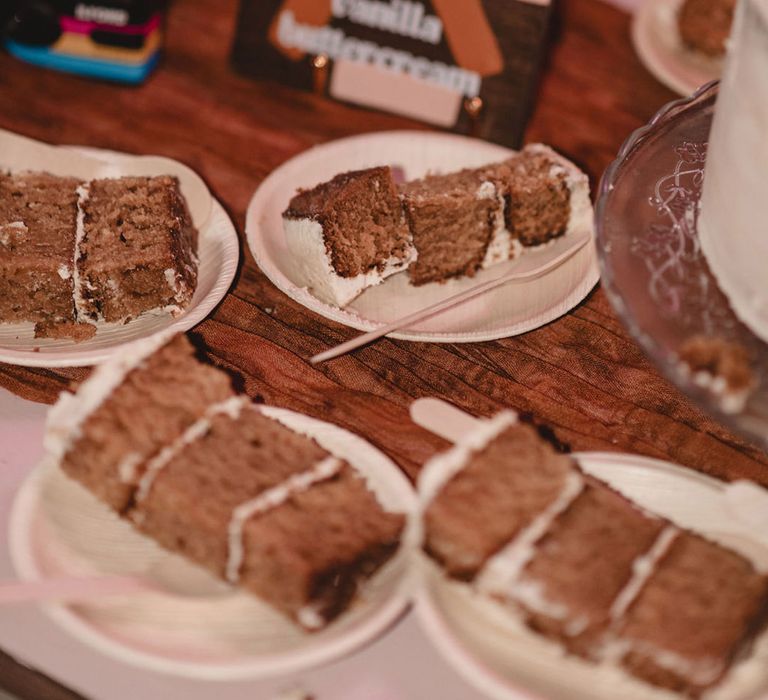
<point x="700" y="672"/>
<point x="501" y="573"/>
<point x="65" y="419"/>
<point x="500" y="246"/>
<point x="231" y="407"/>
<point x="266" y="501"/>
<point x="734" y="203"/>
<point x="314" y="268"/>
<point x="642" y="569"/>
<point x="439" y="470"/>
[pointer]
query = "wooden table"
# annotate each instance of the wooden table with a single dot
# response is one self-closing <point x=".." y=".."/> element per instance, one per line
<point x="581" y="376"/>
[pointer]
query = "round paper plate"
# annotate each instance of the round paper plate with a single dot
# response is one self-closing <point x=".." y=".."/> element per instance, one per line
<point x="501" y="657"/>
<point x="198" y="627"/>
<point x="218" y="251"/>
<point x="658" y="44"/>
<point x="514" y="308"/>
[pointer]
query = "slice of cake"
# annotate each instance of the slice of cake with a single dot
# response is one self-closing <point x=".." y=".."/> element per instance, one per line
<point x="348" y="234"/>
<point x="545" y="195"/>
<point x="722" y="367"/>
<point x="503" y="482"/>
<point x="705" y="25"/>
<point x="280" y="516"/>
<point x="128" y="409"/>
<point x="698" y="611"/>
<point x="136" y="248"/>
<point x="352" y="232"/>
<point x="584" y="566"/>
<point x="162" y="439"/>
<point x="457" y="225"/>
<point x="37" y="241"/>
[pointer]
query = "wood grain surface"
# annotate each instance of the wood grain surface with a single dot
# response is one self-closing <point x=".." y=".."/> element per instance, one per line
<point x="581" y="376"/>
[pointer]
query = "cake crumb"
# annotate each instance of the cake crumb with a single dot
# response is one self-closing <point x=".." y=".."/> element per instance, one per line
<point x="720" y="366"/>
<point x="65" y="330"/>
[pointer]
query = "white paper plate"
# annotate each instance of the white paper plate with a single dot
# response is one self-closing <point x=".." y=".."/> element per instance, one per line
<point x="200" y="628"/>
<point x="658" y="45"/>
<point x="510" y="310"/>
<point x="506" y="661"/>
<point x="218" y="250"/>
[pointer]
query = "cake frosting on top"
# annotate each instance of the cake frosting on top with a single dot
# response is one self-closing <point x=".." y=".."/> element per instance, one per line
<point x="354" y="231"/>
<point x="734" y="203"/>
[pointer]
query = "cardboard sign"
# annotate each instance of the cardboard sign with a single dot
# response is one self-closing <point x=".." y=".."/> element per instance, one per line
<point x="467" y="65"/>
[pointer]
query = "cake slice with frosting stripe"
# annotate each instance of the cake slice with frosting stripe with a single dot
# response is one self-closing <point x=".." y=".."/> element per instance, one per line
<point x="162" y="439"/>
<point x="584" y="566"/>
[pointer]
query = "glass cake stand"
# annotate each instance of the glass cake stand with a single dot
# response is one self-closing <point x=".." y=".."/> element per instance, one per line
<point x="653" y="269"/>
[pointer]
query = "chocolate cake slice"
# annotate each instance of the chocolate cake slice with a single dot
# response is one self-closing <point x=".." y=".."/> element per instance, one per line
<point x="699" y="610"/>
<point x="129" y="409"/>
<point x="267" y="508"/>
<point x="136" y="248"/>
<point x="37" y="242"/>
<point x="348" y="234"/>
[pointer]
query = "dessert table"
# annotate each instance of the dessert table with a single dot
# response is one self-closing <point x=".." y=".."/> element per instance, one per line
<point x="581" y="376"/>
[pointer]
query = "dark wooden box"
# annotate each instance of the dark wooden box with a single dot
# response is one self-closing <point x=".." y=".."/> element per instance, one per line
<point x="466" y="65"/>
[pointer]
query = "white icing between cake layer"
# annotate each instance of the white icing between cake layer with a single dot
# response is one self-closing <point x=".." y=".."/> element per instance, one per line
<point x="500" y="246"/>
<point x="439" y="470"/>
<point x="314" y="268"/>
<point x="231" y="407"/>
<point x="67" y="415"/>
<point x="642" y="570"/>
<point x="734" y="202"/>
<point x="699" y="672"/>
<point x="501" y="573"/>
<point x="268" y="500"/>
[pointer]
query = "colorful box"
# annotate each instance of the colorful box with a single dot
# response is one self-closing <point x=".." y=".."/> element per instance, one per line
<point x="118" y="40"/>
